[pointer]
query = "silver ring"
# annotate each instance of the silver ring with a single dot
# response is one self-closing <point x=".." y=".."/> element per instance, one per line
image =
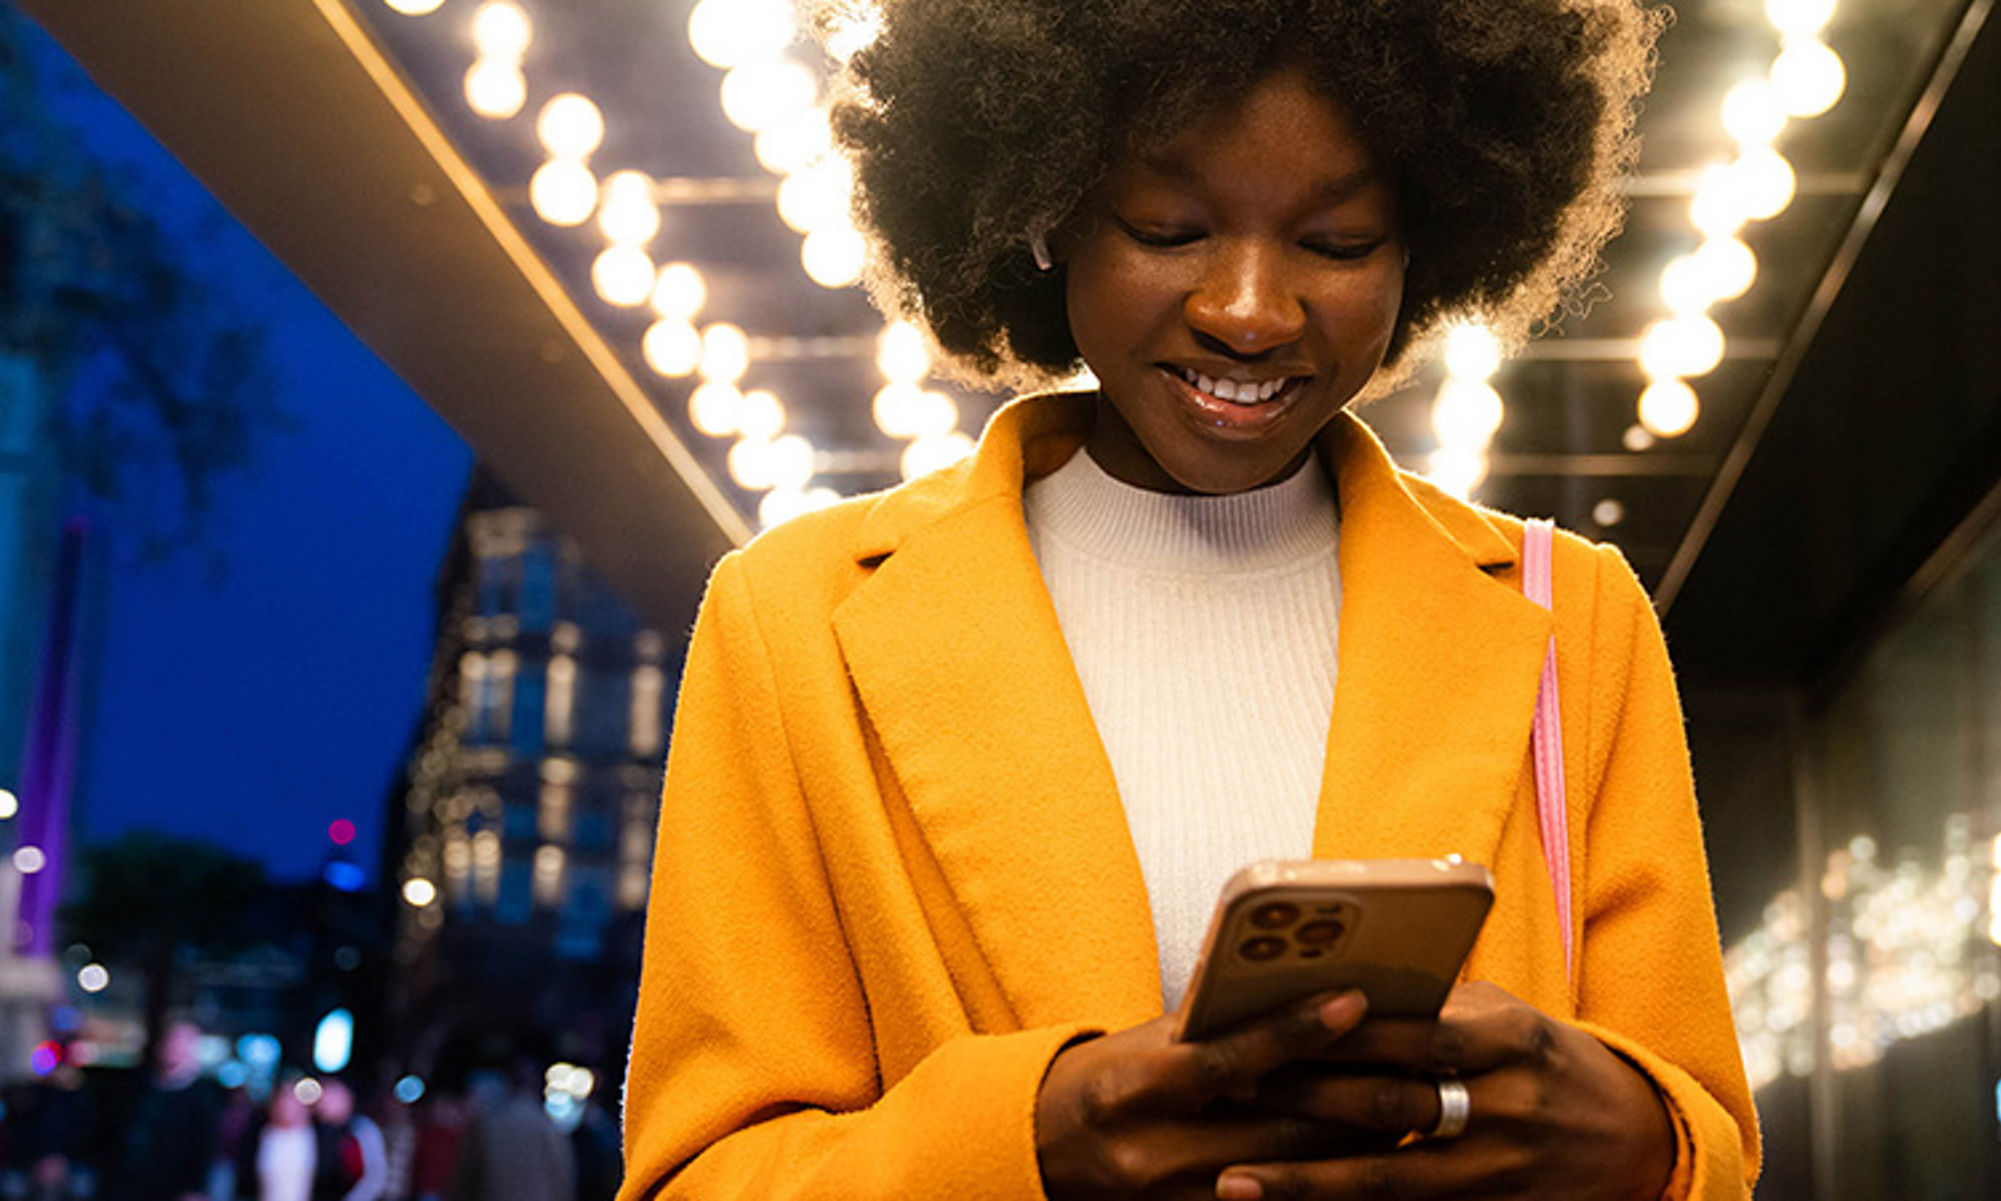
<point x="1455" y="1106"/>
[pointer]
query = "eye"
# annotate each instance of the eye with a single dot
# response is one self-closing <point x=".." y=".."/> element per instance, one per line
<point x="1346" y="252"/>
<point x="1165" y="237"/>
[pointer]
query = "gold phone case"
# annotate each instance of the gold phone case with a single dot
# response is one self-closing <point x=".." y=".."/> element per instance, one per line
<point x="1398" y="929"/>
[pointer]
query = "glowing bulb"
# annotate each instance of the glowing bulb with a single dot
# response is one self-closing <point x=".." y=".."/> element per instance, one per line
<point x="750" y="464"/>
<point x="896" y="409"/>
<point x="851" y="33"/>
<point x="1752" y="114"/>
<point x="791" y="462"/>
<point x="725" y="353"/>
<point x="715" y="409"/>
<point x="1466" y="414"/>
<point x="419" y="892"/>
<point x="9" y="804"/>
<point x="29" y="859"/>
<point x="817" y="197"/>
<point x="1472" y="352"/>
<point x="1808" y="78"/>
<point x="1718" y="208"/>
<point x="501" y="29"/>
<point x="1727" y="267"/>
<point x="1683" y="287"/>
<point x="626" y="213"/>
<point x="563" y="192"/>
<point x="834" y="255"/>
<point x="570" y="126"/>
<point x="901" y="353"/>
<point x="1637" y="439"/>
<point x="1799" y="18"/>
<point x="934" y="415"/>
<point x="1680" y="346"/>
<point x="764" y="95"/>
<point x="1766" y="183"/>
<point x="1457" y="470"/>
<point x="1607" y="513"/>
<point x="1668" y="408"/>
<point x="414" y="8"/>
<point x="93" y="978"/>
<point x="622" y="275"/>
<point x="672" y="347"/>
<point x="680" y="292"/>
<point x="760" y="416"/>
<point x="727" y="33"/>
<point x="927" y="455"/>
<point x="781" y="505"/>
<point x="495" y="88"/>
<point x="795" y="144"/>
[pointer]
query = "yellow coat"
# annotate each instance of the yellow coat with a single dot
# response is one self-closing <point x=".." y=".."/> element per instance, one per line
<point x="894" y="876"/>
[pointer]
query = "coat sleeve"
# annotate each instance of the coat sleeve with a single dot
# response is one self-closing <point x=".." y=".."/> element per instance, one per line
<point x="1650" y="970"/>
<point x="753" y="1069"/>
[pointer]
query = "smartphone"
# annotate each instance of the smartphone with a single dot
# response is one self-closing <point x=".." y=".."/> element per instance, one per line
<point x="1284" y="929"/>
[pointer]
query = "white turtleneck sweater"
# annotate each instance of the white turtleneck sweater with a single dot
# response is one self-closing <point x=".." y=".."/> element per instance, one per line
<point x="1204" y="633"/>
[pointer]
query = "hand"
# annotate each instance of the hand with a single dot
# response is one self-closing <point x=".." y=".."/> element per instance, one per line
<point x="1136" y="1114"/>
<point x="1554" y="1112"/>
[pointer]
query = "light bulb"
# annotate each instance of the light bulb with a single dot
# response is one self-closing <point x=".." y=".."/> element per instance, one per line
<point x="765" y="95"/>
<point x="715" y="408"/>
<point x="1799" y="18"/>
<point x="672" y="347"/>
<point x="1681" y="346"/>
<point x="679" y="292"/>
<point x="834" y="255"/>
<point x="750" y="464"/>
<point x="851" y="32"/>
<point x="781" y="505"/>
<point x="1607" y="513"/>
<point x="1808" y="78"/>
<point x="1752" y="114"/>
<point x="761" y="415"/>
<point x="1472" y="351"/>
<point x="1683" y="287"/>
<point x="927" y="455"/>
<point x="495" y="88"/>
<point x="795" y="144"/>
<point x="816" y="197"/>
<point x="1727" y="267"/>
<point x="563" y="192"/>
<point x="622" y="275"/>
<point x="570" y="126"/>
<point x="933" y="416"/>
<point x="791" y="462"/>
<point x="896" y="409"/>
<point x="414" y="8"/>
<point x="1718" y="206"/>
<point x="1668" y="408"/>
<point x="901" y="353"/>
<point x="1457" y="470"/>
<point x="626" y="213"/>
<point x="725" y="353"/>
<point x="1765" y="183"/>
<point x="726" y="33"/>
<point x="1466" y="413"/>
<point x="501" y="29"/>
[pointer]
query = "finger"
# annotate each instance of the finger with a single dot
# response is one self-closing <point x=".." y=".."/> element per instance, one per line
<point x="1232" y="1062"/>
<point x="1383" y="1104"/>
<point x="1204" y="1148"/>
<point x="1464" y="1044"/>
<point x="1411" y="1174"/>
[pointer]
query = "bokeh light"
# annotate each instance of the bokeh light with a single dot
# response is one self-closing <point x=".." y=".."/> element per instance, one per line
<point x="570" y="126"/>
<point x="1668" y="408"/>
<point x="563" y="192"/>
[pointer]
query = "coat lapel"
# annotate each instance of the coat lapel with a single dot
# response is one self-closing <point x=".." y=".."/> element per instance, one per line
<point x="1439" y="666"/>
<point x="955" y="650"/>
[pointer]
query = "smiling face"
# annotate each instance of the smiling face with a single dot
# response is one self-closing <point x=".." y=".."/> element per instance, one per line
<point x="1232" y="288"/>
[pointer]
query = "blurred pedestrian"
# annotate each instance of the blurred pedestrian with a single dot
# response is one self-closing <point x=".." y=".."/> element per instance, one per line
<point x="440" y="1125"/>
<point x="594" y="1145"/>
<point x="360" y="1140"/>
<point x="48" y="1126"/>
<point x="236" y="1126"/>
<point x="170" y="1139"/>
<point x="512" y="1150"/>
<point x="282" y="1160"/>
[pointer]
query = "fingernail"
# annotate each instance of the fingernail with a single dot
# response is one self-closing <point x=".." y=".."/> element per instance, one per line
<point x="1239" y="1188"/>
<point x="1343" y="1011"/>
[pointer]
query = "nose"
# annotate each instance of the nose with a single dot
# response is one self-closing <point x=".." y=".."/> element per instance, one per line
<point x="1243" y="302"/>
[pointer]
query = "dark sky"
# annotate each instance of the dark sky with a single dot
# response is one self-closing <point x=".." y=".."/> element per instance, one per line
<point x="254" y="709"/>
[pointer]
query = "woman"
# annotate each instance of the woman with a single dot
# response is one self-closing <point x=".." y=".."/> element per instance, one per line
<point x="957" y="769"/>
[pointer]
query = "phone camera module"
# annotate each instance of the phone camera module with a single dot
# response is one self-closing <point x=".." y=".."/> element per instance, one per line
<point x="1262" y="949"/>
<point x="1320" y="933"/>
<point x="1275" y="916"/>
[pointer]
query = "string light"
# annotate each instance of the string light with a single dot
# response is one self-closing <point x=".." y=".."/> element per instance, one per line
<point x="563" y="192"/>
<point x="725" y="353"/>
<point x="765" y="95"/>
<point x="622" y="275"/>
<point x="791" y="466"/>
<point x="1726" y="267"/>
<point x="760" y="416"/>
<point x="414" y="8"/>
<point x="750" y="464"/>
<point x="715" y="408"/>
<point x="672" y="347"/>
<point x="1688" y="345"/>
<point x="1765" y="183"/>
<point x="1799" y="18"/>
<point x="1472" y="352"/>
<point x="834" y="255"/>
<point x="901" y="353"/>
<point x="626" y="212"/>
<point x="679" y="292"/>
<point x="501" y="30"/>
<point x="817" y="197"/>
<point x="1752" y="114"/>
<point x="1808" y="78"/>
<point x="1668" y="408"/>
<point x="796" y="144"/>
<point x="570" y="127"/>
<point x="495" y="89"/>
<point x="728" y="33"/>
<point x="1457" y="470"/>
<point x="1466" y="414"/>
<point x="896" y="409"/>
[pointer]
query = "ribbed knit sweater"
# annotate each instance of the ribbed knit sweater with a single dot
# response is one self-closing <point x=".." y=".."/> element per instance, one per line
<point x="1204" y="633"/>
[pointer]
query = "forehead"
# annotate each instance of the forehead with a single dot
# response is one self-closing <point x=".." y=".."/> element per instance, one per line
<point x="1282" y="132"/>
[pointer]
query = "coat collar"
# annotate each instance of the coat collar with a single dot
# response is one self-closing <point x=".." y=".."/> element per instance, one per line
<point x="956" y="654"/>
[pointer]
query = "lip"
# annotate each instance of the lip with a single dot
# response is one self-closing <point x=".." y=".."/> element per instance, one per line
<point x="1229" y="418"/>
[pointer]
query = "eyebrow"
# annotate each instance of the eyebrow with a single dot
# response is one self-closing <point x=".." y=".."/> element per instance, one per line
<point x="1330" y="192"/>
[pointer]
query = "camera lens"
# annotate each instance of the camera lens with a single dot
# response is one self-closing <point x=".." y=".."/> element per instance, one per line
<point x="1274" y="916"/>
<point x="1320" y="933"/>
<point x="1261" y="949"/>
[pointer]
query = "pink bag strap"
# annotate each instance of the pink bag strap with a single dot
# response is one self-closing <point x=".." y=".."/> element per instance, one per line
<point x="1547" y="736"/>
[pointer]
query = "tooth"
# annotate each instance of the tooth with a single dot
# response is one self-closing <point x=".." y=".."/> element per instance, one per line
<point x="1205" y="383"/>
<point x="1268" y="389"/>
<point x="1231" y="391"/>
